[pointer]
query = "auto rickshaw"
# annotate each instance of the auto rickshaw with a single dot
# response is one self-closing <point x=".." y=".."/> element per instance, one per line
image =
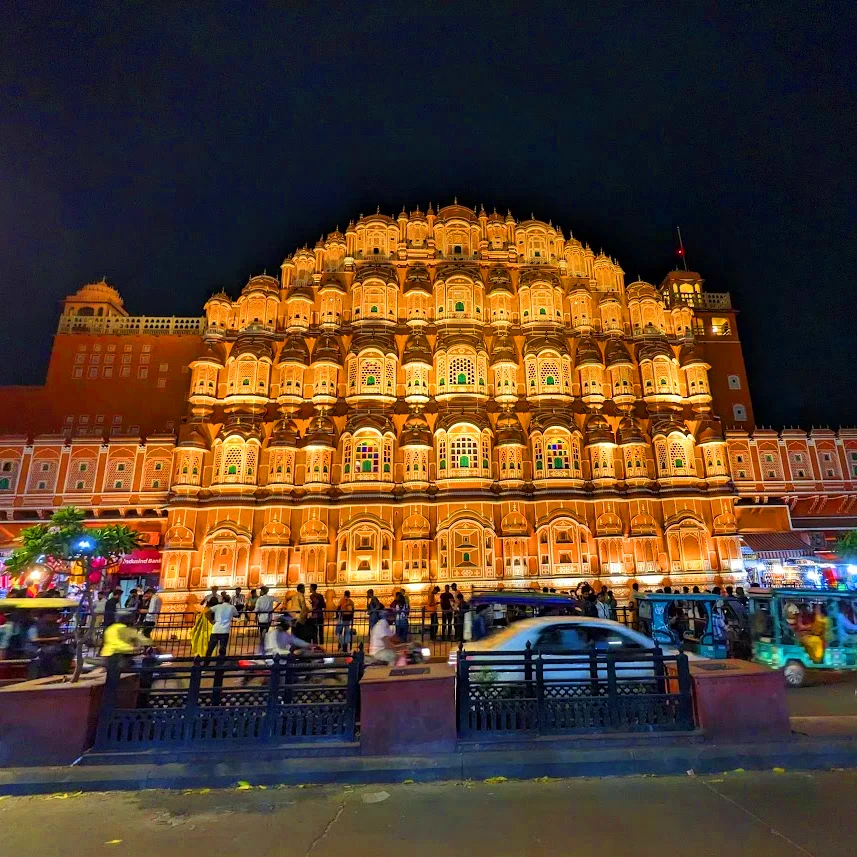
<point x="17" y="665"/>
<point x="804" y="629"/>
<point x="698" y="622"/>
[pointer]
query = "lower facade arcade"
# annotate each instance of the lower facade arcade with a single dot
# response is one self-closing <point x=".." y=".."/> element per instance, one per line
<point x="477" y="544"/>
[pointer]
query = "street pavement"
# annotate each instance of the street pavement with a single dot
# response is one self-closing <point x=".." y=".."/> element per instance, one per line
<point x="824" y="694"/>
<point x="770" y="814"/>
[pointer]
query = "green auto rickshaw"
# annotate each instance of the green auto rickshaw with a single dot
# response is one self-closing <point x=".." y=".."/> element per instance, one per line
<point x="804" y="629"/>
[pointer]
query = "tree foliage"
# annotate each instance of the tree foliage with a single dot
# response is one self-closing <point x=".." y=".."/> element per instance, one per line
<point x="66" y="538"/>
<point x="846" y="546"/>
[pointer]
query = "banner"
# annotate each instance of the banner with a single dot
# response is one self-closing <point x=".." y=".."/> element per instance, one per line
<point x="139" y="563"/>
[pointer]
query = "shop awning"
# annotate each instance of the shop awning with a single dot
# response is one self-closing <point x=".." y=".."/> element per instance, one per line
<point x="776" y="545"/>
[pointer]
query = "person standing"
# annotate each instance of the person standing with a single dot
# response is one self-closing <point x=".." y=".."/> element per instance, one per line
<point x="239" y="601"/>
<point x="345" y="623"/>
<point x="431" y="606"/>
<point x="264" y="610"/>
<point x="374" y="608"/>
<point x="97" y="618"/>
<point x="223" y="614"/>
<point x="300" y="609"/>
<point x="250" y="606"/>
<point x="111" y="607"/>
<point x="401" y="609"/>
<point x="447" y="604"/>
<point x="317" y="605"/>
<point x="461" y="609"/>
<point x="212" y="598"/>
<point x="153" y="611"/>
<point x="132" y="603"/>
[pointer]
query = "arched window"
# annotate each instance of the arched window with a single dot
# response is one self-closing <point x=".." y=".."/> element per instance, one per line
<point x="459" y="306"/>
<point x="366" y="456"/>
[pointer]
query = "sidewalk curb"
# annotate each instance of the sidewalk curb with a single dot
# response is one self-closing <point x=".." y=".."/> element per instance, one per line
<point x="700" y="758"/>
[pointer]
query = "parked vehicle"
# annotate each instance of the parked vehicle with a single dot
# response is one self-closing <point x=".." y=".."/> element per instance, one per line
<point x="804" y="629"/>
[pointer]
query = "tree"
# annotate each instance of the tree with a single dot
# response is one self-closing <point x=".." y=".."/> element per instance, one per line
<point x="846" y="545"/>
<point x="66" y="540"/>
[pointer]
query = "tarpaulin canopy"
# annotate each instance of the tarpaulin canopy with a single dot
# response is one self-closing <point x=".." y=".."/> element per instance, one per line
<point x="777" y="545"/>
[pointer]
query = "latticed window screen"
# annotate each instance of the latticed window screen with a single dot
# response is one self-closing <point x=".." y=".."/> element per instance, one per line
<point x="366" y="456"/>
<point x="461" y="371"/>
<point x="556" y="453"/>
<point x="661" y="449"/>
<point x="118" y="475"/>
<point x="232" y="464"/>
<point x="370" y="373"/>
<point x="678" y="456"/>
<point x="531" y="374"/>
<point x="43" y="477"/>
<point x="549" y="373"/>
<point x="388" y="457"/>
<point x="486" y="453"/>
<point x="246" y="373"/>
<point x="389" y="375"/>
<point x="251" y="461"/>
<point x="538" y="455"/>
<point x="464" y="452"/>
<point x="82" y="474"/>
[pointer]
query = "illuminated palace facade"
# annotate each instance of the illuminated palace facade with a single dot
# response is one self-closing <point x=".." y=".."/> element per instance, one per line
<point x="449" y="396"/>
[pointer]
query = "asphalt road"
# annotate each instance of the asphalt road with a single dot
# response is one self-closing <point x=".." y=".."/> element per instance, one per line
<point x="825" y="693"/>
<point x="759" y="814"/>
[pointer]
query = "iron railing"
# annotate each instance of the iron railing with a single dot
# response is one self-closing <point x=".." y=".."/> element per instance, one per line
<point x="529" y="692"/>
<point x="172" y="632"/>
<point x="192" y="701"/>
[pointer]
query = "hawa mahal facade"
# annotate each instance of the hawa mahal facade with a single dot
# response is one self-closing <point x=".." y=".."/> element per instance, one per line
<point x="448" y="396"/>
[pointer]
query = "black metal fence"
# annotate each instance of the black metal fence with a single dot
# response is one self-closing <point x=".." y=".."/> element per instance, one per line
<point x="188" y="702"/>
<point x="509" y="693"/>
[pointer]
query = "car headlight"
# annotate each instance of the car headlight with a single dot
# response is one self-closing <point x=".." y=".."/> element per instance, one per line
<point x="426" y="653"/>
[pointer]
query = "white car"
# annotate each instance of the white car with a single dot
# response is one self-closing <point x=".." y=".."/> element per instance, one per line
<point x="552" y="637"/>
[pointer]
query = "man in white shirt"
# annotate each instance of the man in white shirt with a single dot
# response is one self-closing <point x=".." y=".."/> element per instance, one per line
<point x="223" y="614"/>
<point x="153" y="611"/>
<point x="280" y="640"/>
<point x="264" y="610"/>
<point x="382" y="640"/>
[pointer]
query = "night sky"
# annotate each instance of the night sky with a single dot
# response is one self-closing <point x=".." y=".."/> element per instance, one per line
<point x="176" y="148"/>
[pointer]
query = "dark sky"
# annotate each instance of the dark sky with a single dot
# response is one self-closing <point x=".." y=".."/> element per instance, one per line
<point x="177" y="148"/>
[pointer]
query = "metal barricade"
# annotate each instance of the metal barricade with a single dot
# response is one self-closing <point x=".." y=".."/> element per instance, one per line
<point x="507" y="693"/>
<point x="190" y="702"/>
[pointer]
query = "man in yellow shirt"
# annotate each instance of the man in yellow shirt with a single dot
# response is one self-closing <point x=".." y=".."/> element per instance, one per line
<point x="121" y="640"/>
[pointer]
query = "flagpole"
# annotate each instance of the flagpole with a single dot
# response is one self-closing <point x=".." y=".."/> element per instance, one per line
<point x="681" y="248"/>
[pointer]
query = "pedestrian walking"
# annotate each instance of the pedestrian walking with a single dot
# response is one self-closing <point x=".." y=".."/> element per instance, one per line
<point x="447" y="605"/>
<point x="264" y="609"/>
<point x="222" y="614"/>
<point x="317" y="606"/>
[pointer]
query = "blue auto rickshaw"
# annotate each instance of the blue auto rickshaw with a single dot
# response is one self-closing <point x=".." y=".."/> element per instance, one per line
<point x="698" y="622"/>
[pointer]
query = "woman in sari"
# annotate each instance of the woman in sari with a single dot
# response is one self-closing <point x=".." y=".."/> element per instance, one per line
<point x="201" y="632"/>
